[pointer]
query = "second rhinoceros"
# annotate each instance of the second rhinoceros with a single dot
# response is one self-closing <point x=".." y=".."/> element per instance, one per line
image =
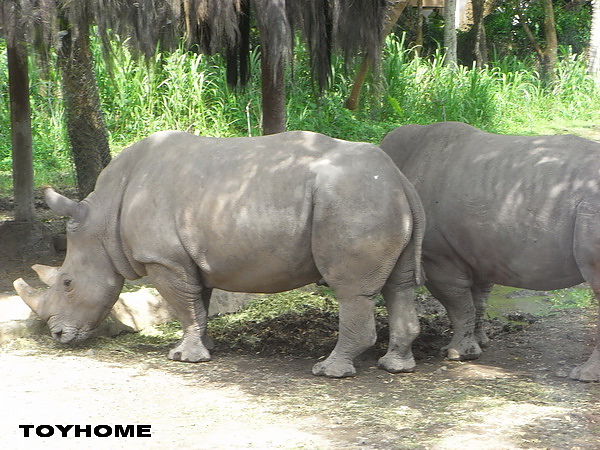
<point x="261" y="214"/>
<point x="521" y="211"/>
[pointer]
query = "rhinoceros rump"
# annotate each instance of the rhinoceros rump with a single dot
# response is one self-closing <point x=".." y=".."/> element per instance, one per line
<point x="261" y="214"/>
<point x="513" y="210"/>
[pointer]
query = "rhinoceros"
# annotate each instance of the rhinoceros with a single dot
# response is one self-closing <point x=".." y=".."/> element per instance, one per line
<point x="262" y="214"/>
<point x="521" y="211"/>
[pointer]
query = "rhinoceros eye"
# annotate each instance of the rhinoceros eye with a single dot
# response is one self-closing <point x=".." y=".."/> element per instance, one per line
<point x="67" y="283"/>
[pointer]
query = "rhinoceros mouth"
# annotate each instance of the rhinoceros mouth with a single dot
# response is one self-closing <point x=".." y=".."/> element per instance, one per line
<point x="68" y="335"/>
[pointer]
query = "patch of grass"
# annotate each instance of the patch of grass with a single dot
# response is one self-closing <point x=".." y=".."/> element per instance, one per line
<point x="298" y="322"/>
<point x="157" y="338"/>
<point x="575" y="297"/>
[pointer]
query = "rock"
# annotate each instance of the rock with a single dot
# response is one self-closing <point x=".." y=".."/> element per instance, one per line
<point x="441" y="370"/>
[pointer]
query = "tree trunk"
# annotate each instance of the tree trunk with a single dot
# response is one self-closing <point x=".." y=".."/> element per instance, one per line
<point x="480" y="44"/>
<point x="419" y="33"/>
<point x="359" y="80"/>
<point x="85" y="123"/>
<point x="20" y="119"/>
<point x="551" y="50"/>
<point x="594" y="49"/>
<point x="273" y="95"/>
<point x="547" y="55"/>
<point x="394" y="11"/>
<point x="450" y="41"/>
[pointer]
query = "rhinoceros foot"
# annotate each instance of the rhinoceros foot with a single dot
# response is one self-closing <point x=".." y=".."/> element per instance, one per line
<point x="334" y="368"/>
<point x="208" y="342"/>
<point x="462" y="350"/>
<point x="394" y="363"/>
<point x="589" y="371"/>
<point x="190" y="353"/>
<point x="482" y="338"/>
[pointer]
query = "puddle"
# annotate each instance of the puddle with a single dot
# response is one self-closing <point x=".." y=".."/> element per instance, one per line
<point x="504" y="300"/>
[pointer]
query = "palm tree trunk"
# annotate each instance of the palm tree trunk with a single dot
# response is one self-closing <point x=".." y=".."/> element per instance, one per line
<point x="551" y="51"/>
<point x="394" y="11"/>
<point x="419" y="32"/>
<point x="85" y="123"/>
<point x="450" y="40"/>
<point x="480" y="44"/>
<point x="20" y="119"/>
<point x="273" y="95"/>
<point x="594" y="49"/>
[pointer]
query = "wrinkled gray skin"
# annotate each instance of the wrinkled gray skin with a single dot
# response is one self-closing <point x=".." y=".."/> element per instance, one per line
<point x="513" y="210"/>
<point x="262" y="214"/>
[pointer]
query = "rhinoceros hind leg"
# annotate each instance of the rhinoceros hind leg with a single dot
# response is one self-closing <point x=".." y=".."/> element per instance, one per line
<point x="590" y="370"/>
<point x="585" y="245"/>
<point x="455" y="294"/>
<point x="480" y="292"/>
<point x="399" y="295"/>
<point x="357" y="334"/>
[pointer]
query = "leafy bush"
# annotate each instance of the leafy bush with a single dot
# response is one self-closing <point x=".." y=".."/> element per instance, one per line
<point x="573" y="23"/>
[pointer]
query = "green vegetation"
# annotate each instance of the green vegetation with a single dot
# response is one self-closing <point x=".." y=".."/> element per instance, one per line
<point x="187" y="91"/>
<point x="507" y="97"/>
<point x="575" y="297"/>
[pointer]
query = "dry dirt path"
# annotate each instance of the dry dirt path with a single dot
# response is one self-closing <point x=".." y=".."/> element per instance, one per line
<point x="515" y="396"/>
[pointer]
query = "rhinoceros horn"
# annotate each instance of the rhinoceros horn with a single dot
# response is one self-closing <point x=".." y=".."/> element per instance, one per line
<point x="47" y="274"/>
<point x="62" y="205"/>
<point x="30" y="296"/>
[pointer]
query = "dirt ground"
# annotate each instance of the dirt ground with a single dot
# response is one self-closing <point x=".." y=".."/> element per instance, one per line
<point x="515" y="396"/>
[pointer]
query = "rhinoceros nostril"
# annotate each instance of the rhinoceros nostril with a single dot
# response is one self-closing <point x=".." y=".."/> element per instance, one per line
<point x="57" y="335"/>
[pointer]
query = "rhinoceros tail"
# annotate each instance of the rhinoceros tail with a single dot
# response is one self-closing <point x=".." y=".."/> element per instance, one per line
<point x="418" y="231"/>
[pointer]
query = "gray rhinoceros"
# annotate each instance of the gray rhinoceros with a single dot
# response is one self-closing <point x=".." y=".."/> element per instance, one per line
<point x="520" y="211"/>
<point x="262" y="214"/>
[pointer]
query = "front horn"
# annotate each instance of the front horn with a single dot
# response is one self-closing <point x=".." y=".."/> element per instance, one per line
<point x="31" y="296"/>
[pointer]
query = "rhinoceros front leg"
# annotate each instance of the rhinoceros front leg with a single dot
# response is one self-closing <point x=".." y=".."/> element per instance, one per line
<point x="190" y="300"/>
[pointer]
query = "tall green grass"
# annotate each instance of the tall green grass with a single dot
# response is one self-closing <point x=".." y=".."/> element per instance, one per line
<point x="51" y="158"/>
<point x="505" y="97"/>
<point x="187" y="91"/>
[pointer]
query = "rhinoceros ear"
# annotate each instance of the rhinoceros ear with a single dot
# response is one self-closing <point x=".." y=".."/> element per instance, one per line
<point x="47" y="274"/>
<point x="62" y="205"/>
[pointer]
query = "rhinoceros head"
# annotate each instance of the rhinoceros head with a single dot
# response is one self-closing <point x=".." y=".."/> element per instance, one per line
<point x="85" y="288"/>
